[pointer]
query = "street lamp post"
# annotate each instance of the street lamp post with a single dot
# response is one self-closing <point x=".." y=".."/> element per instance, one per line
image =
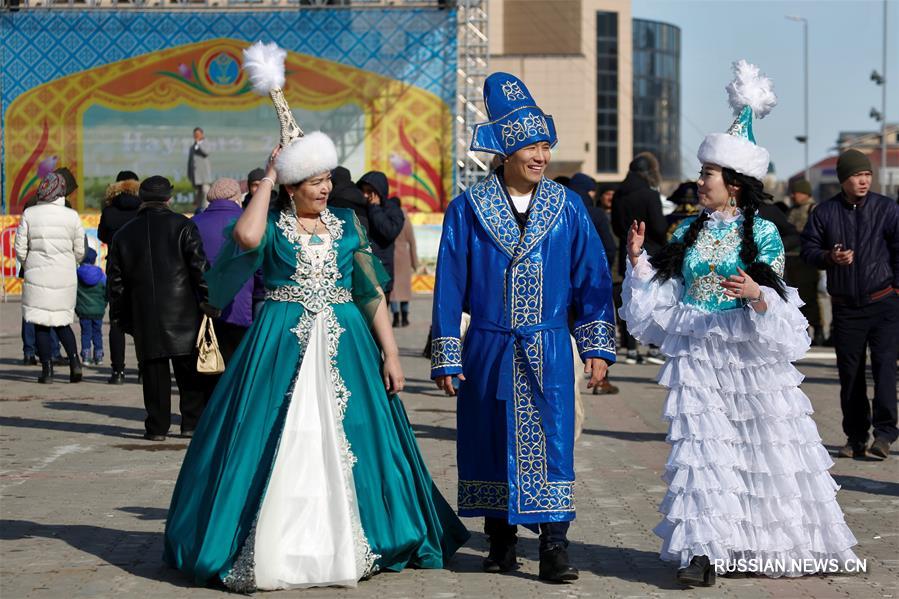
<point x="804" y="139"/>
<point x="883" y="109"/>
<point x="881" y="115"/>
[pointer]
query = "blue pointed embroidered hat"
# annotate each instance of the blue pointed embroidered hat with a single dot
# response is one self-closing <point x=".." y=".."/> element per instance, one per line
<point x="750" y="94"/>
<point x="515" y="119"/>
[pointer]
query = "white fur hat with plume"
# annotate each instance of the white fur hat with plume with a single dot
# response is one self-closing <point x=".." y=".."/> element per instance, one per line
<point x="301" y="156"/>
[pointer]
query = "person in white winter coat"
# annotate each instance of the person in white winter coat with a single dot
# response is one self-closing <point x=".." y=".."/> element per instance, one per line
<point x="50" y="245"/>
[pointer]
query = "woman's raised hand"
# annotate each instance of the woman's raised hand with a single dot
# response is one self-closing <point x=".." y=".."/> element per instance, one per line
<point x="635" y="237"/>
<point x="270" y="165"/>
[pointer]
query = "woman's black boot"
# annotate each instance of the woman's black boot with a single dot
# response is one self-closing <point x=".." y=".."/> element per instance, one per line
<point x="396" y="319"/>
<point x="46" y="373"/>
<point x="75" y="372"/>
<point x="700" y="572"/>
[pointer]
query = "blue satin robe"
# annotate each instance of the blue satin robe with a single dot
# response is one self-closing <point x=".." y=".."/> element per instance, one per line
<point x="515" y="414"/>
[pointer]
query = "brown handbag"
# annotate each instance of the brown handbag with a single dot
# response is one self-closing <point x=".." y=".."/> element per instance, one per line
<point x="209" y="358"/>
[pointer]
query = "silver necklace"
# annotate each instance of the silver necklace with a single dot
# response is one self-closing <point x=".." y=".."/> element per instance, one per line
<point x="314" y="239"/>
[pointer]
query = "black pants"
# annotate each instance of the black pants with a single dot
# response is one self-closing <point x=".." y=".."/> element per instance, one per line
<point x="551" y="533"/>
<point x="805" y="279"/>
<point x="66" y="337"/>
<point x="628" y="342"/>
<point x="876" y="326"/>
<point x="157" y="384"/>
<point x="116" y="347"/>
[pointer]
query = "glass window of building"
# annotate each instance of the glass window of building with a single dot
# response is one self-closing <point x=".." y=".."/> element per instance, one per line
<point x="657" y="93"/>
<point x="606" y="92"/>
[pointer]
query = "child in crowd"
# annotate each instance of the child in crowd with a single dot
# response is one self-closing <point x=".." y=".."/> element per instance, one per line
<point x="90" y="307"/>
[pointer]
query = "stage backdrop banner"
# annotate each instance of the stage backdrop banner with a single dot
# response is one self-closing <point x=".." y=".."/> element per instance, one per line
<point x="104" y="91"/>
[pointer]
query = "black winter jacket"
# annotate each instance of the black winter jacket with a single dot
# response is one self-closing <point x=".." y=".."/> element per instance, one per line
<point x="636" y="200"/>
<point x="155" y="281"/>
<point x="385" y="222"/>
<point x="345" y="194"/>
<point x="871" y="230"/>
<point x="121" y="209"/>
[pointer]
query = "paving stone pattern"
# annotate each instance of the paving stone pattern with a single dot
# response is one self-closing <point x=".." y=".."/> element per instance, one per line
<point x="84" y="497"/>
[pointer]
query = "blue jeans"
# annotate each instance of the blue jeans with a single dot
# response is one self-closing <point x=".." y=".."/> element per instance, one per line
<point x="91" y="333"/>
<point x="29" y="341"/>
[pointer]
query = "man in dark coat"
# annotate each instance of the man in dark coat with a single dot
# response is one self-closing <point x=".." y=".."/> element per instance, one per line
<point x="799" y="274"/>
<point x="788" y="233"/>
<point x="345" y="194"/>
<point x="122" y="203"/>
<point x="637" y="199"/>
<point x="855" y="236"/>
<point x="155" y="285"/>
<point x="385" y="219"/>
<point x="585" y="186"/>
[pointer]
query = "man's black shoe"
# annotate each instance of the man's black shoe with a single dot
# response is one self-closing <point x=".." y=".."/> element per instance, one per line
<point x="187" y="434"/>
<point x="554" y="566"/>
<point x="502" y="558"/>
<point x="151" y="437"/>
<point x="29" y="361"/>
<point x="116" y="378"/>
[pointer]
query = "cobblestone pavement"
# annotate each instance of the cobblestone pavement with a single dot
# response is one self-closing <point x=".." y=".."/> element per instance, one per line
<point x="84" y="497"/>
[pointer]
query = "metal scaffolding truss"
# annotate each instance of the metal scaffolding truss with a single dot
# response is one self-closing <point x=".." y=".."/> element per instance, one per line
<point x="472" y="70"/>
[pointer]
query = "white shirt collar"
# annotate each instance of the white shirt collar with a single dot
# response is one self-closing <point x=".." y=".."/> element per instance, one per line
<point x="721" y="220"/>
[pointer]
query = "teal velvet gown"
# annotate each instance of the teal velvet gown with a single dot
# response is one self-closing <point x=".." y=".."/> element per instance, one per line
<point x="303" y="471"/>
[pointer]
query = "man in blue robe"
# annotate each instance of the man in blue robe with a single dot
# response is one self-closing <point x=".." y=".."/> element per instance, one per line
<point x="521" y="256"/>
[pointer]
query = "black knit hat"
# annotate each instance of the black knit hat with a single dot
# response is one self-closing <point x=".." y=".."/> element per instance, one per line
<point x="801" y="186"/>
<point x="126" y="176"/>
<point x="155" y="189"/>
<point x="851" y="162"/>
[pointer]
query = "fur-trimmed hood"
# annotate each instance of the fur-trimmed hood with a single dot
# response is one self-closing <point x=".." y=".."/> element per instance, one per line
<point x="114" y="190"/>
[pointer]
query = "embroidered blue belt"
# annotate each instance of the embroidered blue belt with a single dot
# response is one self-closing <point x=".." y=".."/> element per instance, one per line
<point x="525" y="335"/>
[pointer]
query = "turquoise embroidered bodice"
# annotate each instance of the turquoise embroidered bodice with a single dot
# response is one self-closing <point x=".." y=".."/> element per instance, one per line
<point x="716" y="256"/>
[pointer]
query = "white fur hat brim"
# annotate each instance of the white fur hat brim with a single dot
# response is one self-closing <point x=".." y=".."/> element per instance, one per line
<point x="312" y="154"/>
<point x="735" y="152"/>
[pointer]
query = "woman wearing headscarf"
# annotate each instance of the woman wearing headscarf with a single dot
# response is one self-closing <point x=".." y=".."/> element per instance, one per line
<point x="50" y="246"/>
<point x="748" y="481"/>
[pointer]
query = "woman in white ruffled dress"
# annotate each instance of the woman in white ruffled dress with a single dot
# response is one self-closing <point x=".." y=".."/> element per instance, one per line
<point x="749" y="488"/>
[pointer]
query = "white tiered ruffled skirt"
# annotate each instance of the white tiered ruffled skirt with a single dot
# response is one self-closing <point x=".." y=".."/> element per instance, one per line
<point x="747" y="474"/>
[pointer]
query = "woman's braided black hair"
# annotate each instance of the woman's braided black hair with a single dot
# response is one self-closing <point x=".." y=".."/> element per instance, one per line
<point x="669" y="261"/>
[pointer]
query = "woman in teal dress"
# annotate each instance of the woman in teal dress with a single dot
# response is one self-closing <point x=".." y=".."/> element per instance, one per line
<point x="304" y="470"/>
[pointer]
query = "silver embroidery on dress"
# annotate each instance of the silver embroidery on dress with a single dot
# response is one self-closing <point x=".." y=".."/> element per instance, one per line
<point x="316" y="277"/>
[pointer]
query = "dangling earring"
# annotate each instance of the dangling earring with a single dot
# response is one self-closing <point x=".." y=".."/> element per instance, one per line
<point x="733" y="202"/>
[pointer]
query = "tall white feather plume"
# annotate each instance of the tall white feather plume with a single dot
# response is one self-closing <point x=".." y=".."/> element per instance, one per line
<point x="750" y="88"/>
<point x="264" y="64"/>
